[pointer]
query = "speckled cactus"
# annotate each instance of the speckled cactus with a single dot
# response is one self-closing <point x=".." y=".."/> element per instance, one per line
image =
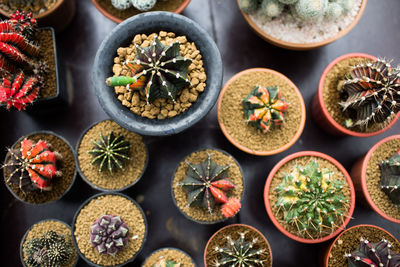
<point x="271" y="8"/>
<point x="144" y="5"/>
<point x="166" y="263"/>
<point x="242" y="252"/>
<point x="373" y="255"/>
<point x="371" y="94"/>
<point x="159" y="71"/>
<point x="311" y="199"/>
<point x="33" y="166"/>
<point x="390" y="177"/>
<point x="206" y="184"/>
<point x="110" y="152"/>
<point x="264" y="108"/>
<point x="50" y="250"/>
<point x="109" y="234"/>
<point x="121" y="4"/>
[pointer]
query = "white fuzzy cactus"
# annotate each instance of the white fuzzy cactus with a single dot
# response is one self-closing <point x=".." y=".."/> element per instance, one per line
<point x="271" y="8"/>
<point x="144" y="5"/>
<point x="334" y="10"/>
<point x="311" y="9"/>
<point x="121" y="4"/>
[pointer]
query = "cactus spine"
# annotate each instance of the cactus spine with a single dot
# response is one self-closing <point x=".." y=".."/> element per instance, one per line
<point x="390" y="177"/>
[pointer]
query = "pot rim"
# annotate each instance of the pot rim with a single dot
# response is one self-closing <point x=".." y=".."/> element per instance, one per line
<point x="299" y="155"/>
<point x="242" y="147"/>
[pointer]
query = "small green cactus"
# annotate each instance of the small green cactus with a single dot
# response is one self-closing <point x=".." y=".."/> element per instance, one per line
<point x="288" y="2"/>
<point x="311" y="10"/>
<point x="271" y="8"/>
<point x="249" y="6"/>
<point x="110" y="151"/>
<point x="166" y="263"/>
<point x="241" y="252"/>
<point x="390" y="177"/>
<point x="311" y="199"/>
<point x="334" y="10"/>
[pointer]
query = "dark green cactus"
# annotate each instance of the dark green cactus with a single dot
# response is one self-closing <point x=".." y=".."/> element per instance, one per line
<point x="390" y="177"/>
<point x="371" y="93"/>
<point x="159" y="71"/>
<point x="373" y="254"/>
<point x="111" y="151"/>
<point x="241" y="252"/>
<point x="49" y="250"/>
<point x="311" y="199"/>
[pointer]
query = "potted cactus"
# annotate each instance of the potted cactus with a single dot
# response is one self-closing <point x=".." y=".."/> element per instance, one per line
<point x="225" y="247"/>
<point x="109" y="229"/>
<point x="358" y="95"/>
<point x="309" y="197"/>
<point x="363" y="245"/>
<point x="170" y="257"/>
<point x="119" y="10"/>
<point x="262" y="104"/>
<point x="111" y="158"/>
<point x="207" y="186"/>
<point x="39" y="168"/>
<point x="171" y="93"/>
<point x="301" y="24"/>
<point x="48" y="243"/>
<point x="375" y="177"/>
<point x="54" y="13"/>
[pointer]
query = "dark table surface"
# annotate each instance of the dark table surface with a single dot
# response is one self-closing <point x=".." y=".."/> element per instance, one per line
<point x="377" y="33"/>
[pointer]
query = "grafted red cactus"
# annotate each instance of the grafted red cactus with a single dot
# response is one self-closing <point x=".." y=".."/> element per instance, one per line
<point x="32" y="166"/>
<point x="20" y="91"/>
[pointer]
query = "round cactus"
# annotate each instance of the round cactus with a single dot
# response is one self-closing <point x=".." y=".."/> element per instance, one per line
<point x="144" y="5"/>
<point x="121" y="4"/>
<point x="248" y="6"/>
<point x="346" y="5"/>
<point x="271" y="8"/>
<point x="310" y="9"/>
<point x="334" y="10"/>
<point x="109" y="234"/>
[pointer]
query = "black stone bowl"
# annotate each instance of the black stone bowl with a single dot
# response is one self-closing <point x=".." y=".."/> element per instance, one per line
<point x="147" y="23"/>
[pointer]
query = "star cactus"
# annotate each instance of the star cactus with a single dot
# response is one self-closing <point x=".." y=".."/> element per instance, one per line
<point x="264" y="108"/>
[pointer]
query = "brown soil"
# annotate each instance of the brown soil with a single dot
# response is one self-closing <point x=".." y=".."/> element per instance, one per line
<point x="160" y="108"/>
<point x="287" y="168"/>
<point x="47" y="55"/>
<point x="120" y="178"/>
<point x="115" y="205"/>
<point x="373" y="177"/>
<point x="40" y="228"/>
<point x="233" y="231"/>
<point x="349" y="241"/>
<point x="234" y="174"/>
<point x="170" y="5"/>
<point x="59" y="184"/>
<point x="171" y="254"/>
<point x="37" y="7"/>
<point x="231" y="113"/>
<point x="332" y="98"/>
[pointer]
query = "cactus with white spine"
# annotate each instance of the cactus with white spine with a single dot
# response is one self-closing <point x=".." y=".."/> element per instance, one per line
<point x="249" y="6"/>
<point x="121" y="4"/>
<point x="144" y="5"/>
<point x="271" y="8"/>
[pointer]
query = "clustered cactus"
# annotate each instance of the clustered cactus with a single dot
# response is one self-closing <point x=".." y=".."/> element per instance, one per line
<point x="166" y="263"/>
<point x="373" y="254"/>
<point x="264" y="108"/>
<point x="241" y="253"/>
<point x="390" y="177"/>
<point x="311" y="199"/>
<point x="33" y="166"/>
<point x="159" y="71"/>
<point x="21" y="71"/>
<point x="51" y="249"/>
<point x="109" y="234"/>
<point x="206" y="184"/>
<point x="304" y="10"/>
<point x="111" y="151"/>
<point x="371" y="93"/>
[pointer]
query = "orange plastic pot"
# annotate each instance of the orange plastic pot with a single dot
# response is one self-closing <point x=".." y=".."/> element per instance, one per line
<point x="119" y="20"/>
<point x="232" y="225"/>
<point x="297" y="46"/>
<point x="320" y="112"/>
<point x="359" y="175"/>
<point x="243" y="148"/>
<point x="268" y="204"/>
<point x="327" y="251"/>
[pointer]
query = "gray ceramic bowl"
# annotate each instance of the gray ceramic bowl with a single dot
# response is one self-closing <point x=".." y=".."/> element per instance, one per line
<point x="150" y="22"/>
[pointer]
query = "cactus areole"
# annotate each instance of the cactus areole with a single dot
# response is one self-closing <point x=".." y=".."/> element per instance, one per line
<point x="159" y="71"/>
<point x="390" y="177"/>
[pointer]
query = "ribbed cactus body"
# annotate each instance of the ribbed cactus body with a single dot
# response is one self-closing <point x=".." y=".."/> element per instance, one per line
<point x="390" y="177"/>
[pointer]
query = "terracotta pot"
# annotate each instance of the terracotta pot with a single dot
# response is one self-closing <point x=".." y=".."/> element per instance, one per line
<point x="325" y="253"/>
<point x="296" y="46"/>
<point x="321" y="114"/>
<point x="243" y="148"/>
<point x="359" y="176"/>
<point x="268" y="204"/>
<point x="119" y="20"/>
<point x="232" y="225"/>
<point x="58" y="17"/>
